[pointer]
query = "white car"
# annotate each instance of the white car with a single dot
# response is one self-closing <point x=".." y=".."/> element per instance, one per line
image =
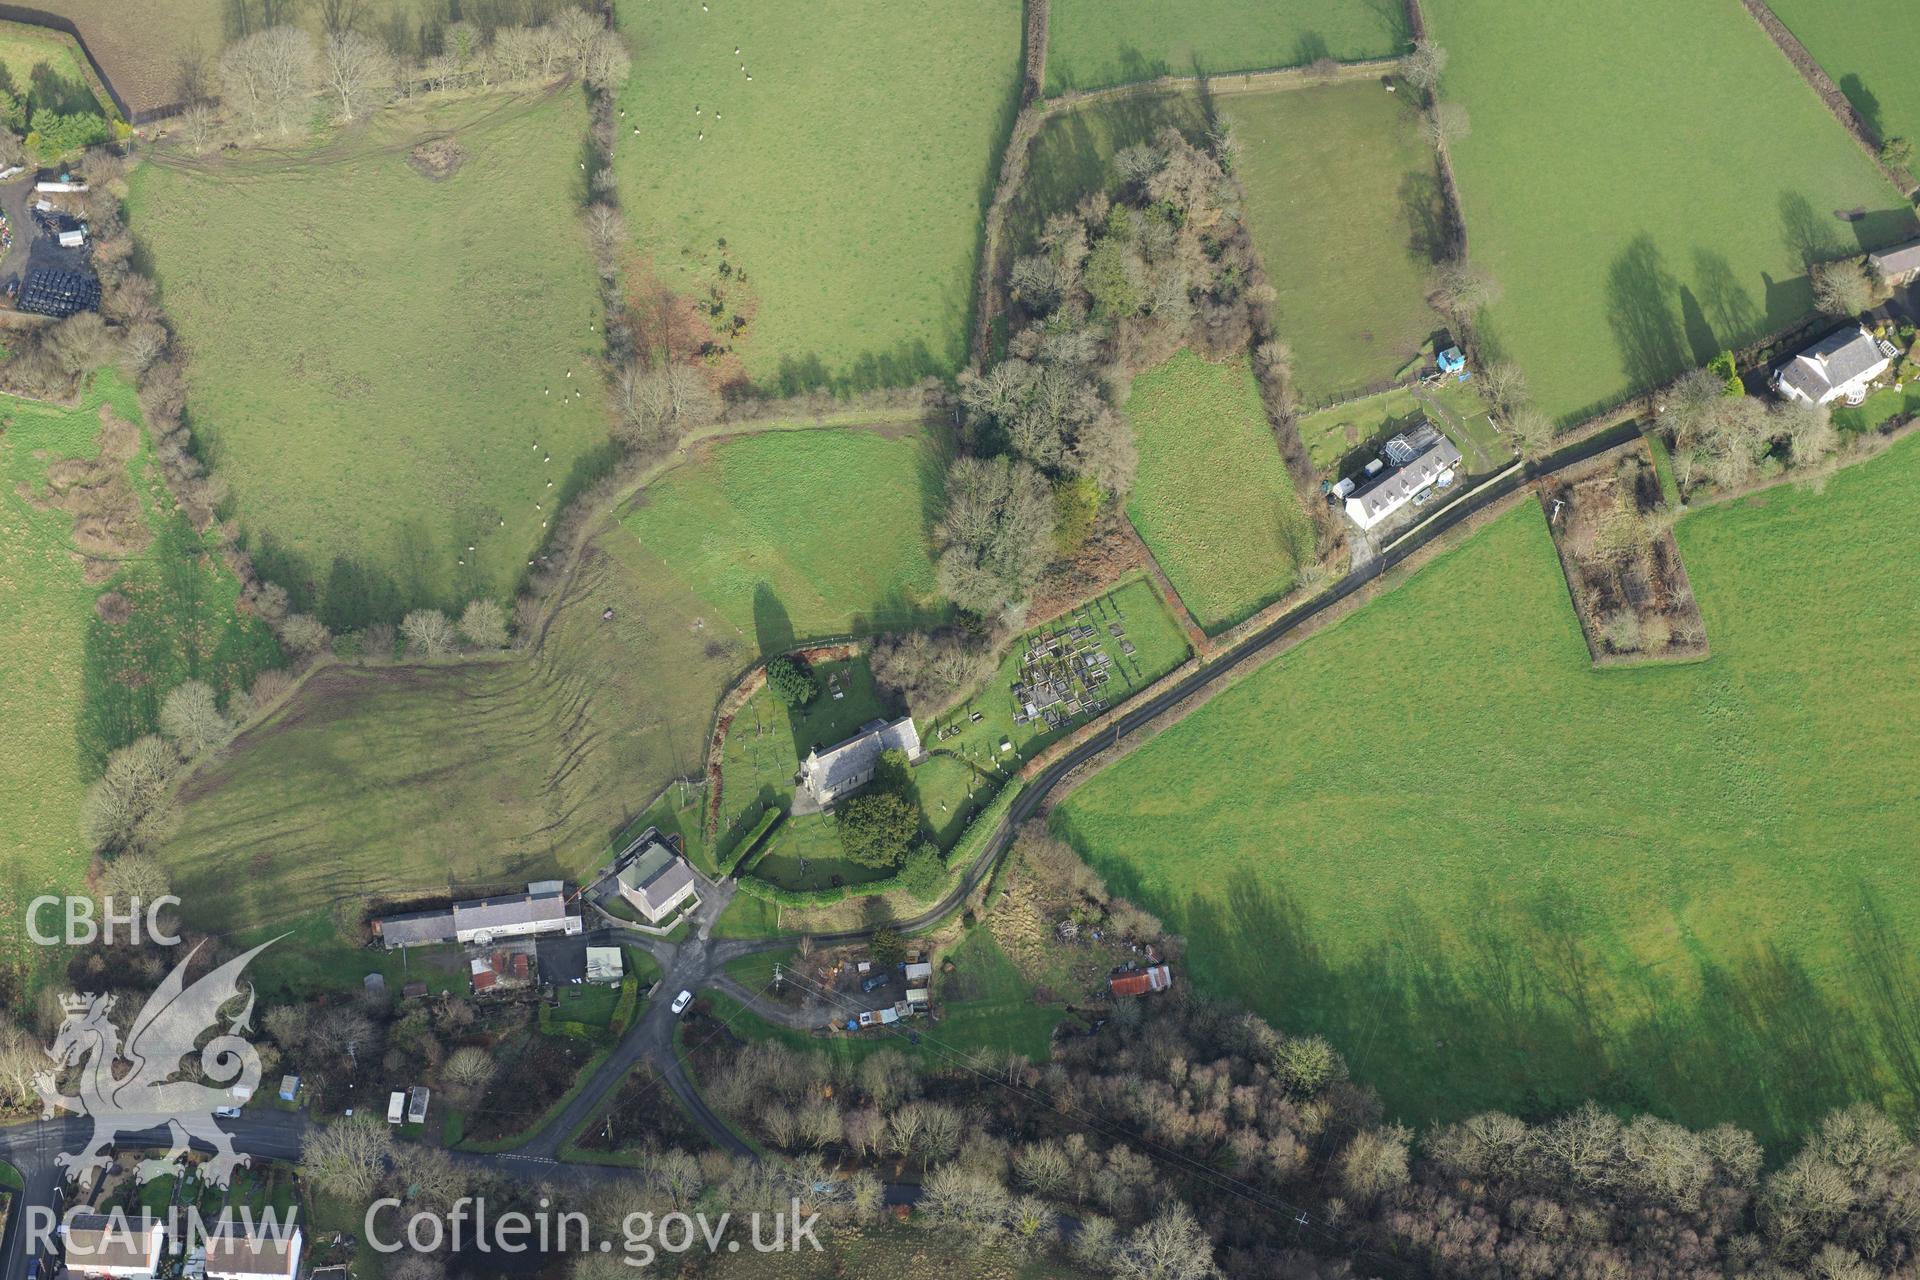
<point x="681" y="1001"/>
<point x="227" y="1113"/>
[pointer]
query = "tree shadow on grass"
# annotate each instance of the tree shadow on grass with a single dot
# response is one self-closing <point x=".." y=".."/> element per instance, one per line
<point x="1728" y="306"/>
<point x="904" y="363"/>
<point x="1527" y="1008"/>
<point x="1640" y="291"/>
<point x="1865" y="104"/>
<point x="1808" y="234"/>
<point x="1430" y="231"/>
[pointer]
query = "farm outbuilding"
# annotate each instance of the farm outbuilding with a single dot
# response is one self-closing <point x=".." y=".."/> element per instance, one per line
<point x="1139" y="982"/>
<point x="1897" y="266"/>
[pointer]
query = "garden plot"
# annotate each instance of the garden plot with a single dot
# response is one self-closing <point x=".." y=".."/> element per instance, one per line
<point x="1623" y="569"/>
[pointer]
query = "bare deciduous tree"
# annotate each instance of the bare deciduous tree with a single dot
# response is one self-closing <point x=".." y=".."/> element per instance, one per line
<point x="267" y="78"/>
<point x="1809" y="430"/>
<point x="1841" y="288"/>
<point x="190" y="716"/>
<point x="428" y="631"/>
<point x="1532" y="431"/>
<point x="358" y="72"/>
<point x="302" y="633"/>
<point x="1423" y="67"/>
<point x="1446" y="124"/>
<point x="347" y="1158"/>
<point x="484" y="624"/>
<point x="658" y="405"/>
<point x="1461" y="289"/>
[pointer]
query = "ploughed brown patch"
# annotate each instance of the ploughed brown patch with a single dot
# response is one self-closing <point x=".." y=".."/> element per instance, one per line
<point x="1623" y="567"/>
<point x="113" y="608"/>
<point x="437" y="159"/>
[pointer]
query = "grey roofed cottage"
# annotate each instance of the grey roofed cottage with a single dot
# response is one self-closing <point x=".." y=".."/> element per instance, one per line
<point x="415" y="929"/>
<point x="1899" y="264"/>
<point x="655" y="879"/>
<point x="513" y="915"/>
<point x="1839" y="365"/>
<point x="1411" y="462"/>
<point x="832" y="773"/>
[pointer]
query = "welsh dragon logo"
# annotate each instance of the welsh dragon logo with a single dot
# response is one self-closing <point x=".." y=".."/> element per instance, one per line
<point x="146" y="1096"/>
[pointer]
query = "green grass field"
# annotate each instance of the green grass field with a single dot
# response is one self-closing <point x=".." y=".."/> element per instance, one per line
<point x="842" y="186"/>
<point x="1496" y="876"/>
<point x="1868" y="49"/>
<point x="1213" y="498"/>
<point x="1615" y="185"/>
<point x="1347" y="211"/>
<point x="25" y="49"/>
<point x="74" y="685"/>
<point x="830" y="527"/>
<point x="1095" y="43"/>
<point x="414" y="779"/>
<point x="381" y="360"/>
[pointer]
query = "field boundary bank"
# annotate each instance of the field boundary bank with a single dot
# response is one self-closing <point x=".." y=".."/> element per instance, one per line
<point x="96" y="77"/>
<point x="1228" y="83"/>
<point x="988" y="301"/>
<point x="1828" y="92"/>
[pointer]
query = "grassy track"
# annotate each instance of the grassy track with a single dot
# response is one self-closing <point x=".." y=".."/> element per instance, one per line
<point x="73" y="685"/>
<point x="1347" y="212"/>
<point x="1496" y="876"/>
<point x="385" y="781"/>
<point x="1869" y="49"/>
<point x="1617" y="187"/>
<point x="843" y="186"/>
<point x="380" y="360"/>
<point x="1095" y="43"/>
<point x="1213" y="498"/>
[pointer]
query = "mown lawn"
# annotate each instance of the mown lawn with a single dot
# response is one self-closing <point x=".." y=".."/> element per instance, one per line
<point x="1095" y="43"/>
<point x="1497" y="877"/>
<point x="1213" y="498"/>
<point x="799" y="534"/>
<point x="842" y="187"/>
<point x="381" y="361"/>
<point x="1346" y="208"/>
<point x="1868" y="48"/>
<point x="1616" y="186"/>
<point x="419" y="779"/>
<point x="1343" y="437"/>
<point x="74" y="685"/>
